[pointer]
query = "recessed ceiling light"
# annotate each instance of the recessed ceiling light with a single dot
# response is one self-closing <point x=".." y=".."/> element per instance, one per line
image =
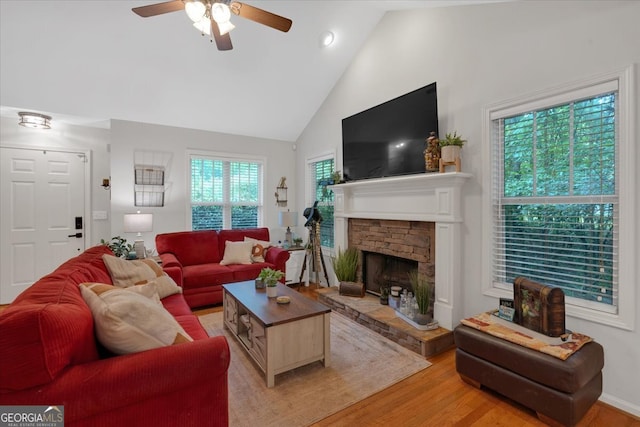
<point x="326" y="38"/>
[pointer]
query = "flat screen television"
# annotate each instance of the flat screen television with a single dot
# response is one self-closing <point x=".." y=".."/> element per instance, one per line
<point x="389" y="139"/>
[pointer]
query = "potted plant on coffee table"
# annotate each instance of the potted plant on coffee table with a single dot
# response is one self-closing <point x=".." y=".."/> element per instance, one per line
<point x="270" y="278"/>
<point x="345" y="266"/>
<point x="422" y="292"/>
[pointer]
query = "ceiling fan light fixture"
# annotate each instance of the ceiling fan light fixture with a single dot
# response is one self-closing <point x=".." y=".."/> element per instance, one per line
<point x="34" y="120"/>
<point x="220" y="12"/>
<point x="204" y="26"/>
<point x="195" y="10"/>
<point x="225" y="27"/>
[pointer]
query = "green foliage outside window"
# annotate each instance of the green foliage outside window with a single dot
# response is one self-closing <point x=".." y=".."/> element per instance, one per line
<point x="557" y="211"/>
<point x="224" y="194"/>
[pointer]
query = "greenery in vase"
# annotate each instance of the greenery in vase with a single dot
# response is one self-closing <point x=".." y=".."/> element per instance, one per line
<point x="345" y="264"/>
<point x="270" y="276"/>
<point x="336" y="177"/>
<point x="421" y="290"/>
<point x="452" y="139"/>
<point x="297" y="242"/>
<point x="118" y="246"/>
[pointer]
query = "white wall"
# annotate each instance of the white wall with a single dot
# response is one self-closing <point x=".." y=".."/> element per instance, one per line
<point x="479" y="55"/>
<point x="65" y="137"/>
<point x="172" y="143"/>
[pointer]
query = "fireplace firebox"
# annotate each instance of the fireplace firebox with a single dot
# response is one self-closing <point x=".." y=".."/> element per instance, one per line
<point x="385" y="270"/>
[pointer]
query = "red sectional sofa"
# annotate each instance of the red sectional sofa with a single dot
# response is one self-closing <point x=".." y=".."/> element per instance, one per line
<point x="192" y="259"/>
<point x="49" y="356"/>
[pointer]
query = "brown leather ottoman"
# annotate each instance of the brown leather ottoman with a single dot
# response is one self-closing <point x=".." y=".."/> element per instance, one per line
<point x="558" y="390"/>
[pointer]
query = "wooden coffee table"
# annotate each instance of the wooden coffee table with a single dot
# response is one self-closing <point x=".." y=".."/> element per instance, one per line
<point x="279" y="337"/>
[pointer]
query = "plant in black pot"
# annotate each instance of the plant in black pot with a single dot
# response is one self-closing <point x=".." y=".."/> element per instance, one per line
<point x="422" y="290"/>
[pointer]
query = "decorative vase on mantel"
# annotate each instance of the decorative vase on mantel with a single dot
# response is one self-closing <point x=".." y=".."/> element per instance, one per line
<point x="432" y="153"/>
<point x="450" y="153"/>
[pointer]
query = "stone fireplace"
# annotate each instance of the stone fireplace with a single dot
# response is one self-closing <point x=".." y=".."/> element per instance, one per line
<point x="415" y="217"/>
<point x="390" y="249"/>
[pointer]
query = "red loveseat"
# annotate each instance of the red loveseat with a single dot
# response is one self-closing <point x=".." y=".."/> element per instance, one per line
<point x="192" y="259"/>
<point x="49" y="356"/>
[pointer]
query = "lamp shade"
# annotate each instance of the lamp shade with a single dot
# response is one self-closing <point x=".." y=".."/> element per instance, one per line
<point x="288" y="219"/>
<point x="138" y="223"/>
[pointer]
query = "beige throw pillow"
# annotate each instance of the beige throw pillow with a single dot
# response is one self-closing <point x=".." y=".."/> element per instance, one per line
<point x="125" y="273"/>
<point x="128" y="322"/>
<point x="237" y="253"/>
<point x="259" y="248"/>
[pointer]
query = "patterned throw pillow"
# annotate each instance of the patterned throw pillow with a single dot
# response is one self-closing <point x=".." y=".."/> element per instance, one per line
<point x="128" y="322"/>
<point x="125" y="273"/>
<point x="259" y="249"/>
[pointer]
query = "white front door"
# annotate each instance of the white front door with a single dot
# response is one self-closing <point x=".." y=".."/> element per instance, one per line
<point x="41" y="214"/>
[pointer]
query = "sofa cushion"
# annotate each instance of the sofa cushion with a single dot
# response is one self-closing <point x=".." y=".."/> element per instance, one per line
<point x="191" y="247"/>
<point x="248" y="272"/>
<point x="197" y="276"/>
<point x="126" y="273"/>
<point x="237" y="253"/>
<point x="127" y="322"/>
<point x="46" y="328"/>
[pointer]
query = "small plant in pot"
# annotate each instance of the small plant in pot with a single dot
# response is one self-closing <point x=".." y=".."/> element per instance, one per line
<point x="270" y="278"/>
<point x="422" y="292"/>
<point x="450" y="147"/>
<point x="345" y="266"/>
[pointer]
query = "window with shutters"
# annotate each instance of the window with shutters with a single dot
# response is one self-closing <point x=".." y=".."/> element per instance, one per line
<point x="225" y="193"/>
<point x="556" y="193"/>
<point x="320" y="170"/>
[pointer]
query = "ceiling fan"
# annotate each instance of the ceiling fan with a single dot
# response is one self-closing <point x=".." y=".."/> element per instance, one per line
<point x="213" y="17"/>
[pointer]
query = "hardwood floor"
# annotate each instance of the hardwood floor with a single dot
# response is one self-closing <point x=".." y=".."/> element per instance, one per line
<point x="437" y="396"/>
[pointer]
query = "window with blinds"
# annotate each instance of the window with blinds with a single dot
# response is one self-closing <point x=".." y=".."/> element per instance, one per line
<point x="320" y="176"/>
<point x="555" y="196"/>
<point x="225" y="194"/>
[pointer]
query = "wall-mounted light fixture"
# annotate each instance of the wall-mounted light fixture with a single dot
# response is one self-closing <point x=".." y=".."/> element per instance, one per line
<point x="34" y="120"/>
<point x="281" y="192"/>
<point x="106" y="183"/>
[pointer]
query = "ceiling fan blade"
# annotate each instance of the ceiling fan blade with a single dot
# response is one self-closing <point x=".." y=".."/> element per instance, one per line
<point x="159" y="8"/>
<point x="223" y="42"/>
<point x="261" y="16"/>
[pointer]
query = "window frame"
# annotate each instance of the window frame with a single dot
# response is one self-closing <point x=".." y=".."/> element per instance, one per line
<point x="226" y="205"/>
<point x="310" y="187"/>
<point x="624" y="318"/>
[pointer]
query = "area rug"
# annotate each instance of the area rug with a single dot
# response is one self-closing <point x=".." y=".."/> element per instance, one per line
<point x="362" y="363"/>
<point x="512" y="332"/>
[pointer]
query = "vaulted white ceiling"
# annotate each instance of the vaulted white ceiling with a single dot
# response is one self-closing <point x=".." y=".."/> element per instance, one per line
<point x="85" y="62"/>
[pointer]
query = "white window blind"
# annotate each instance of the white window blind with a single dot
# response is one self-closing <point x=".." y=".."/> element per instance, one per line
<point x="555" y="194"/>
<point x="319" y="177"/>
<point x="225" y="193"/>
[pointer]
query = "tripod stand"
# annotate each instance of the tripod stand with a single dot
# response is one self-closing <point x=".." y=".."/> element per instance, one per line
<point x="313" y="247"/>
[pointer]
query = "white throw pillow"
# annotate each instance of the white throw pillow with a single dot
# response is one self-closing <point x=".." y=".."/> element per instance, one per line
<point x="237" y="253"/>
<point x="128" y="322"/>
<point x="259" y="248"/>
<point x="125" y="273"/>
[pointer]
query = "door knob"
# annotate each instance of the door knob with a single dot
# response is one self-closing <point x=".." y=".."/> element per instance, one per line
<point x="77" y="235"/>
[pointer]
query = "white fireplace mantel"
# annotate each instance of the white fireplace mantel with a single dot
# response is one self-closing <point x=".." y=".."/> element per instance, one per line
<point x="435" y="197"/>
